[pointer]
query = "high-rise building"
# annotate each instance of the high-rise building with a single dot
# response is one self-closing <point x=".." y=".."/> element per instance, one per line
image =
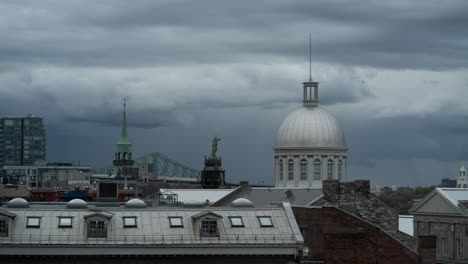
<point x="22" y="140"/>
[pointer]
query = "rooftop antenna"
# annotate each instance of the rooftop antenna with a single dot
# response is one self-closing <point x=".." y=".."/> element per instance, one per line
<point x="310" y="56"/>
<point x="125" y="102"/>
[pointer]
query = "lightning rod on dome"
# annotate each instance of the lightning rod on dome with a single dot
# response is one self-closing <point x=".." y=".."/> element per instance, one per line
<point x="310" y="56"/>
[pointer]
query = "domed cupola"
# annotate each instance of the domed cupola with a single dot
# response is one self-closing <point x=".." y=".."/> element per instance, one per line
<point x="310" y="144"/>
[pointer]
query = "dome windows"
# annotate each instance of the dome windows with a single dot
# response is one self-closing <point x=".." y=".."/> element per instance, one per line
<point x="303" y="170"/>
<point x="317" y="170"/>
<point x="340" y="169"/>
<point x="330" y="169"/>
<point x="281" y="170"/>
<point x="291" y="170"/>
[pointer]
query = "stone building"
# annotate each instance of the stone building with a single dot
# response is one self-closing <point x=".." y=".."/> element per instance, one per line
<point x="310" y="145"/>
<point x="443" y="213"/>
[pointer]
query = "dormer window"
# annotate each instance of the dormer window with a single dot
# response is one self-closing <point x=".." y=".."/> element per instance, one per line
<point x="96" y="228"/>
<point x="208" y="223"/>
<point x="3" y="227"/>
<point x="96" y="224"/>
<point x="209" y="227"/>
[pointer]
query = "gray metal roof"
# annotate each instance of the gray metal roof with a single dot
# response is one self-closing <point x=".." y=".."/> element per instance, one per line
<point x="153" y="231"/>
<point x="272" y="196"/>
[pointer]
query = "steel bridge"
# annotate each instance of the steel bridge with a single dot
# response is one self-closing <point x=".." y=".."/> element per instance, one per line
<point x="165" y="167"/>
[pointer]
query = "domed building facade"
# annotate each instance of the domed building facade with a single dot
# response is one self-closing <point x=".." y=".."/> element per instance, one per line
<point x="310" y="145"/>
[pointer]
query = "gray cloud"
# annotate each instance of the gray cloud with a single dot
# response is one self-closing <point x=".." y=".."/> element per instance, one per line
<point x="394" y="73"/>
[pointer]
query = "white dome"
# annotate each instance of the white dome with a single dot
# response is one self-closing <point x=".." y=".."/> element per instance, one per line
<point x="310" y="128"/>
<point x="242" y="202"/>
<point x="77" y="203"/>
<point x="18" y="202"/>
<point x="135" y="203"/>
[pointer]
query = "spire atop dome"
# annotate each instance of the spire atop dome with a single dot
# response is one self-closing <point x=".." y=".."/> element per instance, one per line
<point x="310" y="98"/>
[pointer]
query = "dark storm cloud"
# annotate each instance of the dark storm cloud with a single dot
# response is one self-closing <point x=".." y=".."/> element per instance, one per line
<point x="193" y="70"/>
<point x="142" y="33"/>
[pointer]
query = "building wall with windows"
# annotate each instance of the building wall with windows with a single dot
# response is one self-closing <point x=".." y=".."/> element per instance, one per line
<point x="45" y="176"/>
<point x="22" y="140"/>
<point x="443" y="213"/>
<point x="79" y="228"/>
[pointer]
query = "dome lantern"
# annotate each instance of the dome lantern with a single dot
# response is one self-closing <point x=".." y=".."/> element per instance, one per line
<point x="310" y="93"/>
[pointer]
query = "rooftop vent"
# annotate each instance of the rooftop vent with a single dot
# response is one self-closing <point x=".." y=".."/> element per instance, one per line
<point x="18" y="203"/>
<point x="242" y="202"/>
<point x="135" y="203"/>
<point x="77" y="203"/>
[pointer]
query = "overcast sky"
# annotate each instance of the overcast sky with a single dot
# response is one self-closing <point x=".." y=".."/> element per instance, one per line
<point x="394" y="73"/>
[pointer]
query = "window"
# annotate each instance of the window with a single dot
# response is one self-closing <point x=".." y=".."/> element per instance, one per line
<point x="236" y="221"/>
<point x="3" y="227"/>
<point x="303" y="170"/>
<point x="265" y="221"/>
<point x="209" y="227"/>
<point x="281" y="170"/>
<point x="33" y="222"/>
<point x="317" y="170"/>
<point x="330" y="169"/>
<point x="97" y="228"/>
<point x="176" y="221"/>
<point x="340" y="169"/>
<point x="65" y="222"/>
<point x="290" y="170"/>
<point x="129" y="222"/>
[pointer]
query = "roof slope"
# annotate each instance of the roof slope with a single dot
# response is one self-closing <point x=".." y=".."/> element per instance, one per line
<point x="445" y="201"/>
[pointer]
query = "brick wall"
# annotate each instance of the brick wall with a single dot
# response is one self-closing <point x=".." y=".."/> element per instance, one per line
<point x="335" y="236"/>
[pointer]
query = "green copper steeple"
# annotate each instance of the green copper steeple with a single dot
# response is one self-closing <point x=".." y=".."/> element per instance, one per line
<point x="123" y="152"/>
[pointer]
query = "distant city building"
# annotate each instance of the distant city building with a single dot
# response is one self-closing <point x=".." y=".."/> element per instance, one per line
<point x="22" y="140"/>
<point x="48" y="175"/>
<point x="462" y="180"/>
<point x="310" y="145"/>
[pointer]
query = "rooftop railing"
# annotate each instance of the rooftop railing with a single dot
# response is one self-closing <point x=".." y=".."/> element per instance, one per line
<point x="149" y="240"/>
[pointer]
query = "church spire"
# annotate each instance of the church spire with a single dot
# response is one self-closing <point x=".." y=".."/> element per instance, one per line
<point x="123" y="152"/>
<point x="124" y="121"/>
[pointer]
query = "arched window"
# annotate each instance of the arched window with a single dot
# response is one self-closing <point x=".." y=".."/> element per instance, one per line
<point x="125" y="156"/>
<point x="464" y="186"/>
<point x="459" y="185"/>
<point x="303" y="170"/>
<point x="330" y="169"/>
<point x="340" y="170"/>
<point x="317" y="170"/>
<point x="290" y="170"/>
<point x="281" y="170"/>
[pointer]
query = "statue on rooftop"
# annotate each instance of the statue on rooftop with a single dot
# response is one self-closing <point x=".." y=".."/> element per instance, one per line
<point x="214" y="146"/>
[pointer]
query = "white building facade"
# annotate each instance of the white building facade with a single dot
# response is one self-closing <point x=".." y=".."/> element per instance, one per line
<point x="310" y="145"/>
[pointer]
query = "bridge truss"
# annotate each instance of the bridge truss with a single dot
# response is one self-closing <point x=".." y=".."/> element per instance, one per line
<point x="165" y="167"/>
